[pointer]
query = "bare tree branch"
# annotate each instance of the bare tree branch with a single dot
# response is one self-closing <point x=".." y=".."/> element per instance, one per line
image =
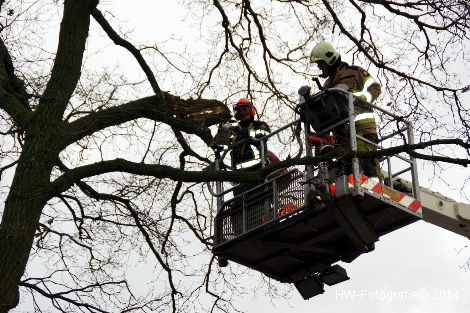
<point x="60" y="295"/>
<point x="190" y="116"/>
<point x="118" y="40"/>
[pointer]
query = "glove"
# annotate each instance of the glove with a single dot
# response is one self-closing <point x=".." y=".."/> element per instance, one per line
<point x="342" y="86"/>
<point x="216" y="147"/>
<point x="304" y="94"/>
<point x="223" y="134"/>
<point x="225" y="126"/>
<point x="363" y="98"/>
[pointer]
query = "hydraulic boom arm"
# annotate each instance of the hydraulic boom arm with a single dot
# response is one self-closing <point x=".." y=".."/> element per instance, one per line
<point x="442" y="211"/>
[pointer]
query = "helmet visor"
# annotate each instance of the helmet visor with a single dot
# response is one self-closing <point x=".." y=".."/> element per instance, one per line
<point x="242" y="111"/>
<point x="321" y="64"/>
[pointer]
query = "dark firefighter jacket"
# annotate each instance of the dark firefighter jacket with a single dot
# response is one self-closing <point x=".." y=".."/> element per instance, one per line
<point x="248" y="154"/>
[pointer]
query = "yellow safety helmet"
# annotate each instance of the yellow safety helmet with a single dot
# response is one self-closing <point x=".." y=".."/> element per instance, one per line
<point x="324" y="51"/>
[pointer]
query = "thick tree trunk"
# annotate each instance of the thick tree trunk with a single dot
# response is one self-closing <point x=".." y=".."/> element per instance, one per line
<point x="22" y="211"/>
<point x="43" y="141"/>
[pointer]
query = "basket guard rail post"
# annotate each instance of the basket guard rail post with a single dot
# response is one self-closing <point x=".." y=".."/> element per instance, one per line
<point x="310" y="174"/>
<point x="414" y="169"/>
<point x="352" y="136"/>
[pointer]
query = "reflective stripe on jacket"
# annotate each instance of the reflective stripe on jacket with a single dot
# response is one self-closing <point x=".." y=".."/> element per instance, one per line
<point x="248" y="155"/>
<point x="359" y="81"/>
<point x="362" y="85"/>
<point x="365" y="123"/>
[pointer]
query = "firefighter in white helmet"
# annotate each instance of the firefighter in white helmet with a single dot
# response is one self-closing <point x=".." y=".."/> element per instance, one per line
<point x="361" y="84"/>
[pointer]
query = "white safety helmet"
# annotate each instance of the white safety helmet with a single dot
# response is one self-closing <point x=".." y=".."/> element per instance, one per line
<point x="324" y="51"/>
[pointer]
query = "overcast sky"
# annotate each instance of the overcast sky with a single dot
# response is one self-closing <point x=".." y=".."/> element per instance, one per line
<point x="414" y="269"/>
<point x="418" y="263"/>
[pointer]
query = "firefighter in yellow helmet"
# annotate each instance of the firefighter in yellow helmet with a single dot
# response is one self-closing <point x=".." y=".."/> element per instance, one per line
<point x="361" y="84"/>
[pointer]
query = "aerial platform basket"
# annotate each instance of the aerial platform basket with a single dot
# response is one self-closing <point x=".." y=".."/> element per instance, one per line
<point x="271" y="229"/>
<point x="293" y="227"/>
